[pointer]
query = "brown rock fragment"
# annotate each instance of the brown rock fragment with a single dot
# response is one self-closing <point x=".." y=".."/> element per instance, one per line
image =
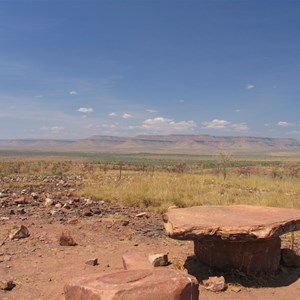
<point x="19" y="233"/>
<point x="92" y="262"/>
<point x="7" y="285"/>
<point x="86" y="212"/>
<point x="142" y="214"/>
<point x="66" y="239"/>
<point x="73" y="221"/>
<point x="158" y="260"/>
<point x="215" y="284"/>
<point x="21" y="200"/>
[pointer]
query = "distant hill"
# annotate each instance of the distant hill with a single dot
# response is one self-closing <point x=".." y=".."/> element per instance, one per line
<point x="156" y="143"/>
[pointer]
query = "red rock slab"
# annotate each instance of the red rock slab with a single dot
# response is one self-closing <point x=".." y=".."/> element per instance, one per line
<point x="136" y="261"/>
<point x="154" y="284"/>
<point x="237" y="222"/>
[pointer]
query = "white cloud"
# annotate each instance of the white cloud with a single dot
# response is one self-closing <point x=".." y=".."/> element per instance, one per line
<point x="283" y="124"/>
<point x="112" y="114"/>
<point x="225" y="125"/>
<point x="53" y="129"/>
<point x="216" y="124"/>
<point x="161" y="124"/>
<point x="249" y="86"/>
<point x="240" y="127"/>
<point x="73" y="93"/>
<point x="151" y="111"/>
<point x="126" y="116"/>
<point x="237" y="110"/>
<point x="85" y="109"/>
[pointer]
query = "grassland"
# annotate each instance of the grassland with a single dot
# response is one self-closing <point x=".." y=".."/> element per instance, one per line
<point x="156" y="182"/>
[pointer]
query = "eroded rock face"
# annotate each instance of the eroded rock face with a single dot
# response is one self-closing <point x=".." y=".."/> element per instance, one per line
<point x="251" y="257"/>
<point x="240" y="222"/>
<point x="289" y="258"/>
<point x="134" y="285"/>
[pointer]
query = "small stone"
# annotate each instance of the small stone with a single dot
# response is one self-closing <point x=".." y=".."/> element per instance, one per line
<point x="86" y="212"/>
<point x="66" y="239"/>
<point x="215" y="284"/>
<point x="88" y="202"/>
<point x="48" y="202"/>
<point x="53" y="212"/>
<point x="125" y="222"/>
<point x="76" y="199"/>
<point x="142" y="214"/>
<point x="73" y="221"/>
<point x="158" y="260"/>
<point x="58" y="205"/>
<point x="21" y="200"/>
<point x="19" y="233"/>
<point x="3" y="195"/>
<point x="34" y="196"/>
<point x="21" y="211"/>
<point x="7" y="285"/>
<point x="92" y="262"/>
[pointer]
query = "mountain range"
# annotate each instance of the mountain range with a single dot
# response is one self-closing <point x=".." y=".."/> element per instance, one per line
<point x="156" y="143"/>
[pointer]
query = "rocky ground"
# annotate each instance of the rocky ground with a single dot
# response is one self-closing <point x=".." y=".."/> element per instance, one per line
<point x="38" y="266"/>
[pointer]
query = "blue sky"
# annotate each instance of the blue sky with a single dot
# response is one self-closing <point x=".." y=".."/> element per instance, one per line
<point x="72" y="69"/>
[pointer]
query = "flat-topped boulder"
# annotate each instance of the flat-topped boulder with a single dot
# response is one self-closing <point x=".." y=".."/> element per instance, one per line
<point x="236" y="222"/>
<point x="239" y="237"/>
<point x="148" y="284"/>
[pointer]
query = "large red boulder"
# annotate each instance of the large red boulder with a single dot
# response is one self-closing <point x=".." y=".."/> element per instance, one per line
<point x="148" y="284"/>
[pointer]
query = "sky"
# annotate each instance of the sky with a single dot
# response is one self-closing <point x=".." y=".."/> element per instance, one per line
<point x="74" y="69"/>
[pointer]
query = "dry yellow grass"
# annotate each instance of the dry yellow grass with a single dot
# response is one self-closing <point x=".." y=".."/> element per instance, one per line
<point x="160" y="190"/>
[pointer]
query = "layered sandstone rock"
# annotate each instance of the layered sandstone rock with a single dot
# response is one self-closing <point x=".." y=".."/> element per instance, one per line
<point x="134" y="285"/>
<point x="239" y="237"/>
